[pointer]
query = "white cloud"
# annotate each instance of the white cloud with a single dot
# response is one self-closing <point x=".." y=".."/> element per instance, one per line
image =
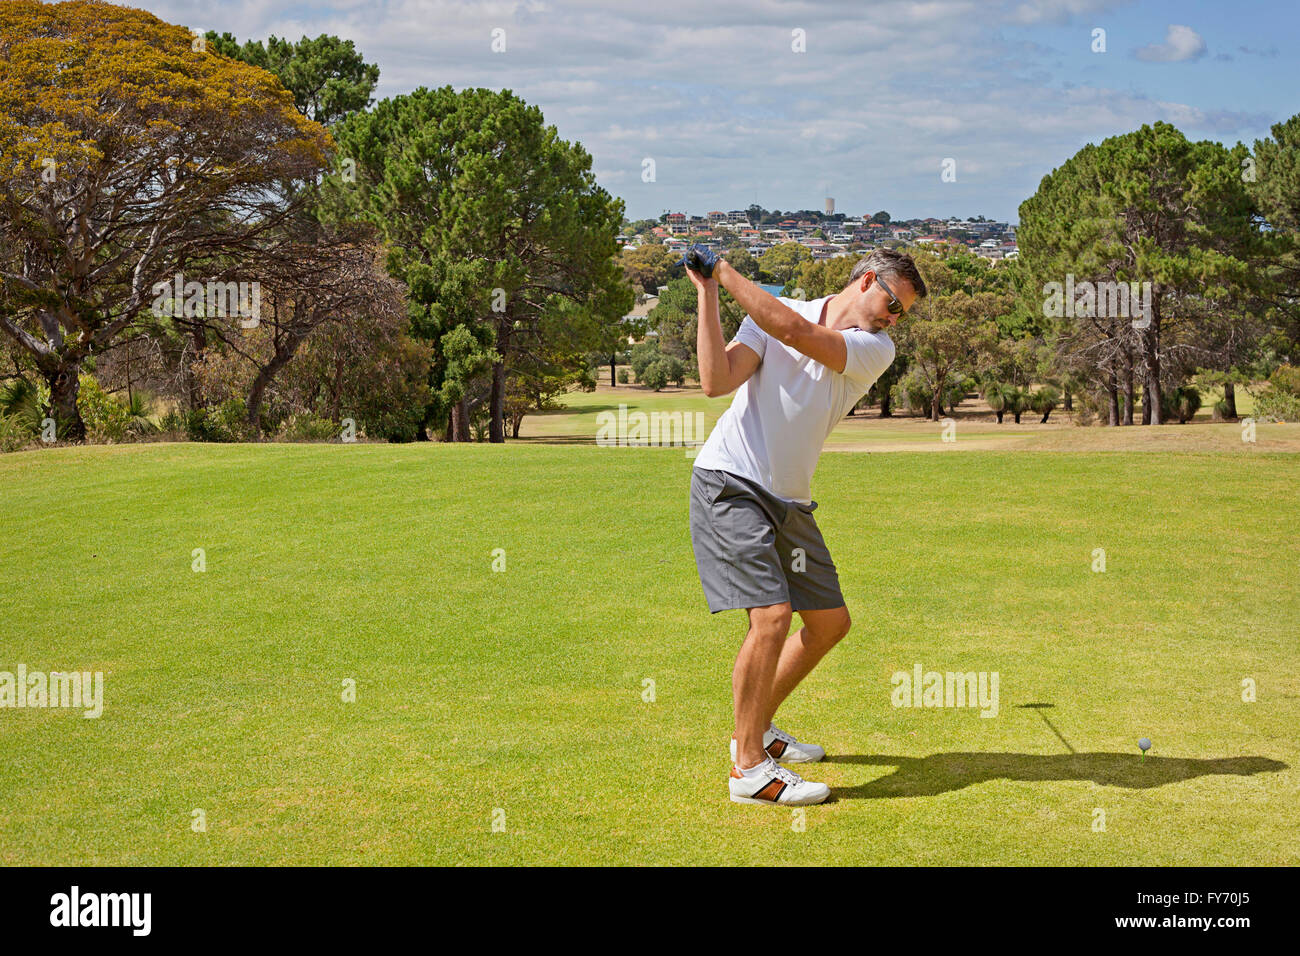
<point x="1181" y="43"/>
<point x="731" y="115"/>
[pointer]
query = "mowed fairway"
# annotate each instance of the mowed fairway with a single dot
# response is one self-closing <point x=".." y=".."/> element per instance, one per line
<point x="520" y="693"/>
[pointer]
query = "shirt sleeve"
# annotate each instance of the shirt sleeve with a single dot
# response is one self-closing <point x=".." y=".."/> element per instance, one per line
<point x="750" y="334"/>
<point x="869" y="354"/>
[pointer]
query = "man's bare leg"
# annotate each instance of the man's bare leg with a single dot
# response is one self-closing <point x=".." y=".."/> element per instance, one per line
<point x="821" y="631"/>
<point x="751" y="680"/>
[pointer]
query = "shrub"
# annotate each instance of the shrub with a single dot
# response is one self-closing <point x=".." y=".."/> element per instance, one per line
<point x="675" y="369"/>
<point x="105" y="417"/>
<point x="308" y="428"/>
<point x="1286" y="378"/>
<point x="1221" y="411"/>
<point x="655" y="375"/>
<point x="643" y="355"/>
<point x="1276" y="404"/>
<point x="227" y="422"/>
<point x="623" y="377"/>
<point x="913" y="393"/>
<point x="1181" y="403"/>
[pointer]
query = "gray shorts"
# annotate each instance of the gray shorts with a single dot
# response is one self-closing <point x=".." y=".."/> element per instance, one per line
<point x="754" y="548"/>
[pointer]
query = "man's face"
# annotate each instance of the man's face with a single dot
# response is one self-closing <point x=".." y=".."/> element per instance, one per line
<point x="872" y="304"/>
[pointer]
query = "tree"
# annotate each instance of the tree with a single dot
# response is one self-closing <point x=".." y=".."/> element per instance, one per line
<point x="743" y="261"/>
<point x="780" y="263"/>
<point x="1148" y="206"/>
<point x="649" y="266"/>
<point x="1273" y="178"/>
<point x="676" y="321"/>
<point x="327" y="76"/>
<point x="105" y="196"/>
<point x="948" y="338"/>
<point x="498" y="229"/>
<point x="364" y="366"/>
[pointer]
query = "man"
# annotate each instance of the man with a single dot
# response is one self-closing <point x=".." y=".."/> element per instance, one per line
<point x="800" y="366"/>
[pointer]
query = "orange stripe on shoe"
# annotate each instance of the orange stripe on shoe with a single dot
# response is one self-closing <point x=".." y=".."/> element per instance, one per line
<point x="771" y="791"/>
<point x="777" y="748"/>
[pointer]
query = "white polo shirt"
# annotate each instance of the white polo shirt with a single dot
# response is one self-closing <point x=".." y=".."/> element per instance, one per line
<point x="775" y="428"/>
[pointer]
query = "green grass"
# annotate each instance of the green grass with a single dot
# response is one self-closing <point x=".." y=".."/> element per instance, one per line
<point x="522" y="690"/>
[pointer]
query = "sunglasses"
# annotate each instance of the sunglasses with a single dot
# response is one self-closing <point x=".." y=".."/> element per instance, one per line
<point x="895" y="307"/>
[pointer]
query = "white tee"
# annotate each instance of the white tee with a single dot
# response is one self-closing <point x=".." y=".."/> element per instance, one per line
<point x="774" y="430"/>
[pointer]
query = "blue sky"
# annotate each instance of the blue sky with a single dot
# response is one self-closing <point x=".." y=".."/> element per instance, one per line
<point x="882" y="93"/>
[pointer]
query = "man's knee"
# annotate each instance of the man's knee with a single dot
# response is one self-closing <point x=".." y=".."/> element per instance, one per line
<point x="771" y="622"/>
<point x="828" y="626"/>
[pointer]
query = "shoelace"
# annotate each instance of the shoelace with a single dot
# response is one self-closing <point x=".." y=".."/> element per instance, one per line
<point x="787" y="776"/>
<point x="780" y="734"/>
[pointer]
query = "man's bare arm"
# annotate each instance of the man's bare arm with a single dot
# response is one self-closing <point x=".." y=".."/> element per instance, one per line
<point x="723" y="369"/>
<point x="783" y="323"/>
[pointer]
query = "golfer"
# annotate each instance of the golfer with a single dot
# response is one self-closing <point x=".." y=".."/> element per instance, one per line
<point x="800" y="366"/>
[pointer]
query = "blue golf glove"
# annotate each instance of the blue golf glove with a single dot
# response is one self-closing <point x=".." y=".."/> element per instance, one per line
<point x="700" y="259"/>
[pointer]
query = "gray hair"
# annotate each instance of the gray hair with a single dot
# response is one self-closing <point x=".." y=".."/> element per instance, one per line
<point x="890" y="264"/>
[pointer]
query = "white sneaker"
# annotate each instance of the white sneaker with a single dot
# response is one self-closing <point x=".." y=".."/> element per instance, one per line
<point x="776" y="785"/>
<point x="781" y="746"/>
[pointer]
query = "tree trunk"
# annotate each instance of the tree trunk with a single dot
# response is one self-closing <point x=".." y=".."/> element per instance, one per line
<point x="886" y="411"/>
<point x="1146" y="403"/>
<point x="199" y="339"/>
<point x="1151" y="345"/>
<point x="1129" y="396"/>
<point x="936" y="409"/>
<point x="460" y="430"/>
<point x="258" y="391"/>
<point x="1112" y="397"/>
<point x="284" y="352"/>
<point x="1230" y="397"/>
<point x="1069" y="400"/>
<point x="1001" y="412"/>
<point x="64" y="386"/>
<point x="337" y="404"/>
<point x="496" y="407"/>
<point x="422" y="433"/>
<point x="612" y="381"/>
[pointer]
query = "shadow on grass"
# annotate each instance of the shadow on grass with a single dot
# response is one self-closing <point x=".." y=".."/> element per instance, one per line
<point x="945" y="772"/>
<point x="574" y="410"/>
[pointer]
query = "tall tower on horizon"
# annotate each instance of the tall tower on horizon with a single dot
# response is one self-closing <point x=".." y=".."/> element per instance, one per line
<point x="830" y="206"/>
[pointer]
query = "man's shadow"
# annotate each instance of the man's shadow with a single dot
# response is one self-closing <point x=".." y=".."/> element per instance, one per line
<point x="945" y="772"/>
<point x="942" y="773"/>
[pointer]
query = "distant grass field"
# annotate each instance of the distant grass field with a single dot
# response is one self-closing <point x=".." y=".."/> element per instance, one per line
<point x="521" y="691"/>
<point x="578" y="419"/>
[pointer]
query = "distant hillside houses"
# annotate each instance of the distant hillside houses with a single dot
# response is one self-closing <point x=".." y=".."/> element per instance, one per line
<point x="828" y="237"/>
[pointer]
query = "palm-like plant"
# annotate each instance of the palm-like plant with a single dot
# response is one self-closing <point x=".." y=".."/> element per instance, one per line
<point x="1045" y="400"/>
<point x="23" y="402"/>
<point x="141" y="423"/>
<point x="995" y="394"/>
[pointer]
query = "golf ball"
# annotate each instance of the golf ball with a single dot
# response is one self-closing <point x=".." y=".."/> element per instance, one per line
<point x="1145" y="744"/>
